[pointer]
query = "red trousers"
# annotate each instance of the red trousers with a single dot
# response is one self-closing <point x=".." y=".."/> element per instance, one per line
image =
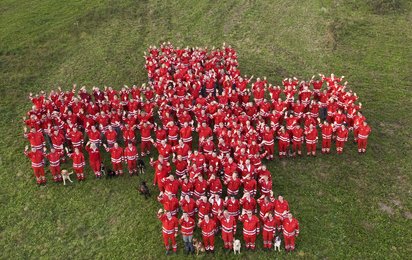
<point x="297" y="146"/>
<point x="355" y="133"/>
<point x="39" y="174"/>
<point x="166" y="240"/>
<point x="270" y="149"/>
<point x="55" y="171"/>
<point x="311" y="147"/>
<point x="283" y="146"/>
<point x="189" y="144"/>
<point x="289" y="242"/>
<point x="131" y="165"/>
<point x="227" y="239"/>
<point x="209" y="242"/>
<point x="362" y="143"/>
<point x="79" y="173"/>
<point x="117" y="167"/>
<point x="173" y="142"/>
<point x="250" y="241"/>
<point x="95" y="165"/>
<point x="145" y="147"/>
<point x="326" y="143"/>
<point x="267" y="239"/>
<point x="340" y="144"/>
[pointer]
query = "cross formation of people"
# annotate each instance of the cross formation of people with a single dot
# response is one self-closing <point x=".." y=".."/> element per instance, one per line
<point x="237" y="122"/>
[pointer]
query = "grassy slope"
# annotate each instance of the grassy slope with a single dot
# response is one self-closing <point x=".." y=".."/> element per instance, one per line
<point x="340" y="201"/>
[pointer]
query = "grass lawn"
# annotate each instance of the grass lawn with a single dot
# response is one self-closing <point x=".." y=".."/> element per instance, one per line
<point x="349" y="206"/>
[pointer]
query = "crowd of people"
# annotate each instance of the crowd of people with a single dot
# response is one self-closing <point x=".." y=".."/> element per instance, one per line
<point x="237" y="122"/>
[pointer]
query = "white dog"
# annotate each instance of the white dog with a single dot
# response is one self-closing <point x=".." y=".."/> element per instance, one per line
<point x="277" y="243"/>
<point x="66" y="176"/>
<point x="236" y="246"/>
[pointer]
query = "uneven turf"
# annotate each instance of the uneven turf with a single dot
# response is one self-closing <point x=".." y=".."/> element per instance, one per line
<point x="349" y="206"/>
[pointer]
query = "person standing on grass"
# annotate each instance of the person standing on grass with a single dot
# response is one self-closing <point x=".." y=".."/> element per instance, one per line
<point x="169" y="230"/>
<point x="290" y="232"/>
<point x="341" y="138"/>
<point x="208" y="227"/>
<point x="78" y="163"/>
<point x="37" y="163"/>
<point x="363" y="133"/>
<point x="187" y="226"/>
<point x="95" y="159"/>
<point x="251" y="228"/>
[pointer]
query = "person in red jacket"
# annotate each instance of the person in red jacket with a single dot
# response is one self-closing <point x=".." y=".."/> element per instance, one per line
<point x="169" y="202"/>
<point x="116" y="156"/>
<point x="172" y="133"/>
<point x="54" y="158"/>
<point x="268" y="142"/>
<point x="186" y="134"/>
<point x="268" y="229"/>
<point x="311" y="136"/>
<point x="327" y="131"/>
<point x="251" y="228"/>
<point x="248" y="203"/>
<point x="233" y="185"/>
<point x="187" y="226"/>
<point x="284" y="140"/>
<point x="297" y="137"/>
<point x="341" y="138"/>
<point x="228" y="224"/>
<point x="203" y="206"/>
<point x="281" y="209"/>
<point x="131" y="155"/>
<point x="188" y="206"/>
<point x="95" y="159"/>
<point x="200" y="186"/>
<point x="171" y="185"/>
<point x="363" y="133"/>
<point x="35" y="138"/>
<point x="78" y="163"/>
<point x="76" y="138"/>
<point x="37" y="163"/>
<point x="265" y="206"/>
<point x="208" y="227"/>
<point x="145" y="133"/>
<point x="290" y="231"/>
<point x="169" y="229"/>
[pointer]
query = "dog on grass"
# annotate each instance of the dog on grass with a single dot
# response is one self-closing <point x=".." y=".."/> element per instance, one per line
<point x="103" y="170"/>
<point x="144" y="190"/>
<point x="236" y="246"/>
<point x="110" y="174"/>
<point x="198" y="245"/>
<point x="141" y="166"/>
<point x="66" y="176"/>
<point x="277" y="243"/>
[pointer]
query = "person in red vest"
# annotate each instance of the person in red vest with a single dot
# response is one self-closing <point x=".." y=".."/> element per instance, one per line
<point x="311" y="136"/>
<point x="363" y="133"/>
<point x="327" y="131"/>
<point x="95" y="159"/>
<point x="228" y="224"/>
<point x="169" y="230"/>
<point x="341" y="138"/>
<point x="290" y="231"/>
<point x="131" y="155"/>
<point x="187" y="226"/>
<point x="37" y="163"/>
<point x="268" y="142"/>
<point x="208" y="227"/>
<point x="54" y="158"/>
<point x="78" y="163"/>
<point x="268" y="229"/>
<point x="251" y="228"/>
<point x="116" y="156"/>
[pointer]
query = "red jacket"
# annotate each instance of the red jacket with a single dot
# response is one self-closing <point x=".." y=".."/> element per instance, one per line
<point x="208" y="228"/>
<point x="251" y="227"/>
<point x="228" y="224"/>
<point x="130" y="154"/>
<point x="280" y="208"/>
<point x="290" y="227"/>
<point x="169" y="226"/>
<point x="188" y="207"/>
<point x="36" y="158"/>
<point x="171" y="205"/>
<point x="78" y="160"/>
<point x="116" y="154"/>
<point x="187" y="226"/>
<point x="233" y="207"/>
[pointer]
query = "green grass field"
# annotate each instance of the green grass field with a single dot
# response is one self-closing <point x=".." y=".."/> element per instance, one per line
<point x="349" y="206"/>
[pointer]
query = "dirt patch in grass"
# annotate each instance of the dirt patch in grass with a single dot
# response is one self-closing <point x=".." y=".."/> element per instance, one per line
<point x="385" y="208"/>
<point x="368" y="225"/>
<point x="408" y="215"/>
